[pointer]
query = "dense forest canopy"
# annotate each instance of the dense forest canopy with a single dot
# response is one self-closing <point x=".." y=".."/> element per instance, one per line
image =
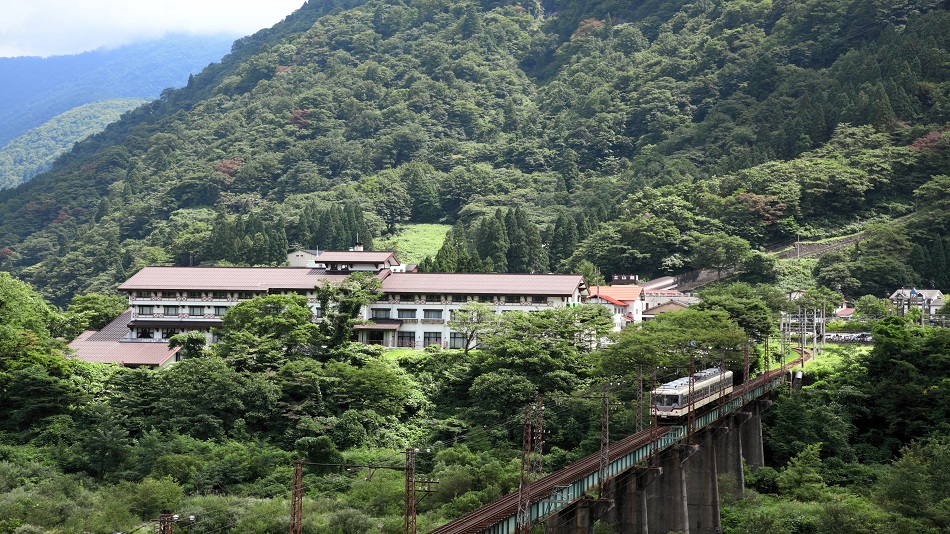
<point x="602" y="137"/>
<point x="34" y="151"/>
<point x="624" y="140"/>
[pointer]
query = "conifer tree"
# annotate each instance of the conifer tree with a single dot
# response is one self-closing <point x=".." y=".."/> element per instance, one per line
<point x="564" y="240"/>
<point x="492" y="241"/>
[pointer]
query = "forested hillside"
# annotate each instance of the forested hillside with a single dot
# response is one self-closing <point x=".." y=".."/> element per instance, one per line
<point x="33" y="90"/>
<point x="604" y="137"/>
<point x="625" y="141"/>
<point x="34" y="151"/>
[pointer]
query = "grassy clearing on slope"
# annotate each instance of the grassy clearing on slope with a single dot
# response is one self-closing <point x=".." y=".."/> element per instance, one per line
<point x="415" y="241"/>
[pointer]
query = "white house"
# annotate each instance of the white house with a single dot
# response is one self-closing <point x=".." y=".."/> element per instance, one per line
<point x="927" y="300"/>
<point x="625" y="301"/>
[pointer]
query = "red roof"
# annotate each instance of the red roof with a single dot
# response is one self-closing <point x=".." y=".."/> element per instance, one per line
<point x="625" y="293"/>
<point x="485" y="284"/>
<point x="228" y="278"/>
<point x="608" y="299"/>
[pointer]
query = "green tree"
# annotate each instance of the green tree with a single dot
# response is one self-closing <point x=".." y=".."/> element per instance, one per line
<point x="472" y="319"/>
<point x="672" y="339"/>
<point x="341" y="305"/>
<point x="95" y="310"/>
<point x="264" y="332"/>
<point x="743" y="305"/>
<point x="869" y="306"/>
<point x="192" y="343"/>
<point x="801" y="479"/>
<point x="720" y="252"/>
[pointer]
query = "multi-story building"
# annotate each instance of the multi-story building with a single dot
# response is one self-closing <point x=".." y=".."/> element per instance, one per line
<point x="414" y="311"/>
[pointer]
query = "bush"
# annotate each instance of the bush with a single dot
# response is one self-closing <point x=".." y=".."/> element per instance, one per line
<point x="151" y="496"/>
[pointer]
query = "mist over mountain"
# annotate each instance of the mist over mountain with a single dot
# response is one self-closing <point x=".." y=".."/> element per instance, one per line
<point x="34" y="90"/>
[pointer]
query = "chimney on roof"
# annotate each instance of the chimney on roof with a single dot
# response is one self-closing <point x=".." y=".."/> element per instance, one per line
<point x="358" y="247"/>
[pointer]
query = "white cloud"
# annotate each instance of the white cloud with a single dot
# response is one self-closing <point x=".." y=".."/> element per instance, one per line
<point x="56" y="27"/>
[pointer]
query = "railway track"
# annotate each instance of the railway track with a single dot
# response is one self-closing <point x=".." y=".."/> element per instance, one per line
<point x="506" y="507"/>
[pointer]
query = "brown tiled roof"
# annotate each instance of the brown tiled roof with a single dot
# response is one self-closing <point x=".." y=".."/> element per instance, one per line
<point x="227" y="278"/>
<point x="113" y="331"/>
<point x="486" y="284"/>
<point x="380" y="324"/>
<point x="132" y="353"/>
<point x="103" y="346"/>
<point x="354" y="256"/>
<point x="667" y="307"/>
<point x="625" y="293"/>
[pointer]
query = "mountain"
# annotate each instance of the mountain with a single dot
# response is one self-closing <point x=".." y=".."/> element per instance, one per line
<point x="33" y="90"/>
<point x="627" y="134"/>
<point x="34" y="151"/>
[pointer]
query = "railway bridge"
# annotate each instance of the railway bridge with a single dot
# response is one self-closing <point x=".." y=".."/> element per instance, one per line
<point x="662" y="479"/>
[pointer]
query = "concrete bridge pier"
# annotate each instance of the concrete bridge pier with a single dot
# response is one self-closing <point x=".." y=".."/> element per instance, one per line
<point x="702" y="480"/>
<point x="667" y="499"/>
<point x="750" y="430"/>
<point x="629" y="493"/>
<point x="729" y="451"/>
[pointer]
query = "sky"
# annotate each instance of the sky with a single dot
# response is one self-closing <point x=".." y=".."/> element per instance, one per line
<point x="62" y="27"/>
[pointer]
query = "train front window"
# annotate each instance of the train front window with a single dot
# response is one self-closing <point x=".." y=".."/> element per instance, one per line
<point x="667" y="400"/>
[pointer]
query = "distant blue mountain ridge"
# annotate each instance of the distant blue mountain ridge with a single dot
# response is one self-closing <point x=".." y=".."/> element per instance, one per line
<point x="33" y="89"/>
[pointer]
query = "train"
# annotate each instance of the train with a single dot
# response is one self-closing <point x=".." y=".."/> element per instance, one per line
<point x="670" y="402"/>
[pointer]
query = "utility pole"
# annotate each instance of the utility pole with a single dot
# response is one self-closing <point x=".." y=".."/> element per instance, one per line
<point x="410" y="494"/>
<point x="166" y="524"/>
<point x="640" y="398"/>
<point x="532" y="440"/>
<point x="654" y="427"/>
<point x="296" y="499"/>
<point x="604" y="443"/>
<point x="411" y="489"/>
<point x="691" y="414"/>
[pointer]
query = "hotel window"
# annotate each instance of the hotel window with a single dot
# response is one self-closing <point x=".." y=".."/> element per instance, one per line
<point x="168" y="332"/>
<point x="431" y="338"/>
<point x="171" y="310"/>
<point x="458" y="298"/>
<point x="220" y="311"/>
<point x="406" y="339"/>
<point x="512" y="299"/>
<point x="432" y="314"/>
<point x="169" y="294"/>
<point x="433" y="298"/>
<point x="196" y="311"/>
<point x="146" y="333"/>
<point x="456" y="340"/>
<point x="406" y="298"/>
<point x="380" y="313"/>
<point x="146" y="310"/>
<point x="406" y="314"/>
<point x="219" y="295"/>
<point x="318" y="312"/>
<point x="245" y="295"/>
<point x="194" y="294"/>
<point x="485" y="298"/>
<point x="539" y="299"/>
